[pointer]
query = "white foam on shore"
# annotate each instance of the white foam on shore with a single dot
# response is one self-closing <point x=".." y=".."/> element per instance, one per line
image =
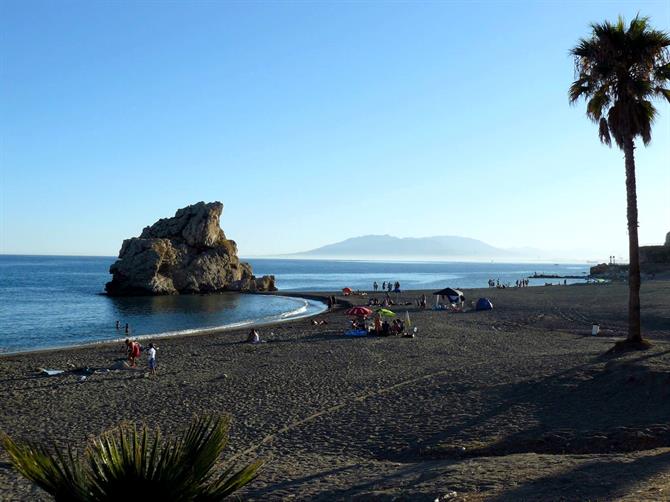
<point x="291" y="315"/>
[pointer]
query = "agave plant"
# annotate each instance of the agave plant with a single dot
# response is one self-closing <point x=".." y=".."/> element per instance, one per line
<point x="130" y="464"/>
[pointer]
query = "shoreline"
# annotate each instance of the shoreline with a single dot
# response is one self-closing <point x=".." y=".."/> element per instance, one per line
<point x="314" y="296"/>
<point x="183" y="333"/>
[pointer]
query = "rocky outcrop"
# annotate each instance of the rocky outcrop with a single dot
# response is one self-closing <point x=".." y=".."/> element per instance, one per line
<point x="188" y="253"/>
<point x="655" y="259"/>
<point x="611" y="271"/>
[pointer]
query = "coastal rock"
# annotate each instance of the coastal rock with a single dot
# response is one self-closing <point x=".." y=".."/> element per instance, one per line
<point x="188" y="253"/>
<point x="655" y="259"/>
<point x="610" y="271"/>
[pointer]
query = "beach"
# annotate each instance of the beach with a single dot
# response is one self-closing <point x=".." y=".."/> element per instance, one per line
<point x="517" y="403"/>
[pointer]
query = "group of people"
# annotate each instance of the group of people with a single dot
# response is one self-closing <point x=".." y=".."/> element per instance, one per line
<point x="520" y="283"/>
<point x="387" y="286"/>
<point x="387" y="301"/>
<point x="384" y="328"/>
<point x="381" y="327"/>
<point x="134" y="351"/>
<point x="118" y="327"/>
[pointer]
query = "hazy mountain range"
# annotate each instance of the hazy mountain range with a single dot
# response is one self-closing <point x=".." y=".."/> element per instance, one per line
<point x="446" y="247"/>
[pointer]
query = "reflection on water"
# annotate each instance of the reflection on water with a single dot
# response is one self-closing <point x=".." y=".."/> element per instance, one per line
<point x="186" y="304"/>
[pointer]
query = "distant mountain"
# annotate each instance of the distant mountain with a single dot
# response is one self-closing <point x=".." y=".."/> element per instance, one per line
<point x="387" y="246"/>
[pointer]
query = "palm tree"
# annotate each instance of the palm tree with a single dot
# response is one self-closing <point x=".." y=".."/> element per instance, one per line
<point x="620" y="70"/>
<point x="131" y="465"/>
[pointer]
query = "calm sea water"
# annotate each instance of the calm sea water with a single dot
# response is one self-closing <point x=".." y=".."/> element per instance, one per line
<point x="322" y="275"/>
<point x="55" y="301"/>
<point x="49" y="301"/>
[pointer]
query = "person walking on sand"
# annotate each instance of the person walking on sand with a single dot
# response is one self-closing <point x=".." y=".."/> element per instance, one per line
<point x="133" y="351"/>
<point x="152" y="359"/>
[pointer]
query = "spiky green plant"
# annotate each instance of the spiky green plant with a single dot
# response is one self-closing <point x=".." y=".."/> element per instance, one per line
<point x="130" y="464"/>
<point x="620" y="70"/>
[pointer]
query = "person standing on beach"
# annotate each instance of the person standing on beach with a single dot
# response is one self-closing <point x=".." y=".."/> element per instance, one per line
<point x="384" y="286"/>
<point x="152" y="359"/>
<point x="375" y="286"/>
<point x="133" y="350"/>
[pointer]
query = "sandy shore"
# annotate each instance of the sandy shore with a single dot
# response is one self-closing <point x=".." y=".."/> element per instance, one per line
<point x="514" y="404"/>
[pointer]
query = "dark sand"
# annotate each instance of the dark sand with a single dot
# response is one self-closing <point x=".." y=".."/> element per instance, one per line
<point x="515" y="404"/>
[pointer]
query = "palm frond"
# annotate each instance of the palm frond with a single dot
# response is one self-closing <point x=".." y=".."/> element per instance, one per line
<point x="225" y="485"/>
<point x="662" y="72"/>
<point x="604" y="132"/>
<point x="578" y="89"/>
<point x="59" y="473"/>
<point x="600" y="100"/>
<point x="644" y="117"/>
<point x="172" y="469"/>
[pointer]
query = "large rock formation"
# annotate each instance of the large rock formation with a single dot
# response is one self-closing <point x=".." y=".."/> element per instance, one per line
<point x="188" y="253"/>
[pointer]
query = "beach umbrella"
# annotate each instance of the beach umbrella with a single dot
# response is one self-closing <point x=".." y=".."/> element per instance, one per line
<point x="359" y="311"/>
<point x="386" y="313"/>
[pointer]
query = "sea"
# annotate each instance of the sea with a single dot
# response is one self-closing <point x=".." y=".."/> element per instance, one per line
<point x="58" y="301"/>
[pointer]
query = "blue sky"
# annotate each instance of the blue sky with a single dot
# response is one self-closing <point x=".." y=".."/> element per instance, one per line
<point x="312" y="122"/>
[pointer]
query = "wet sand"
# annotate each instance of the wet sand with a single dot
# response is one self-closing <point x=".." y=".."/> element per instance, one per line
<point x="519" y="403"/>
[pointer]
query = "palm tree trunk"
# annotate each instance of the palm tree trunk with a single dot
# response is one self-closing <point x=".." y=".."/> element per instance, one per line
<point x="634" y="334"/>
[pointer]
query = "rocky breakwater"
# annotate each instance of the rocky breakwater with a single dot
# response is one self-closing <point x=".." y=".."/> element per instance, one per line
<point x="188" y="253"/>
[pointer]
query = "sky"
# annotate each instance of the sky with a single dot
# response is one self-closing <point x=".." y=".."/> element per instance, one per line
<point x="313" y="122"/>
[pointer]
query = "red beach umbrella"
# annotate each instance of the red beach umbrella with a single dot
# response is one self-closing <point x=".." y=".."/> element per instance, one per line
<point x="359" y="311"/>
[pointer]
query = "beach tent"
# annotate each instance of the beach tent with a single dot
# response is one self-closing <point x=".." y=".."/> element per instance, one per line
<point x="453" y="295"/>
<point x="484" y="304"/>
